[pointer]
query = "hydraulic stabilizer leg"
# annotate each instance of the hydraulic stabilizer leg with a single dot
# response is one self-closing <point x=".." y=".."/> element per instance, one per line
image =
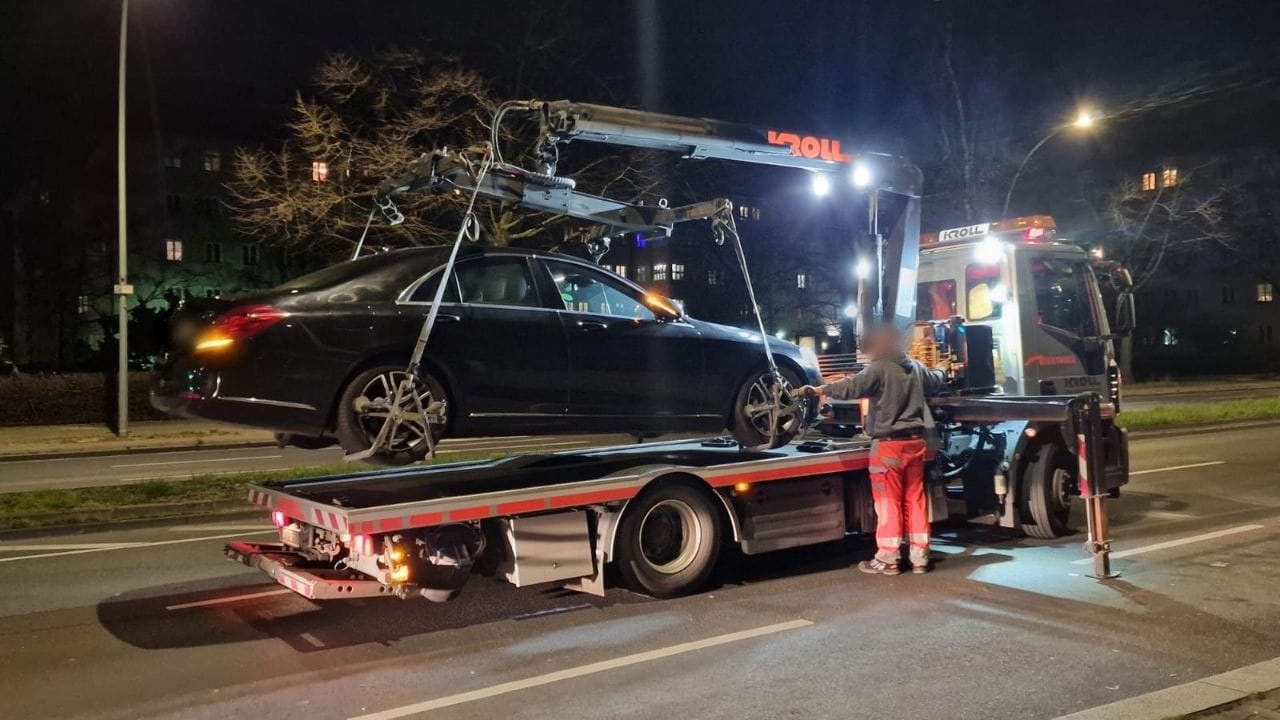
<point x="1088" y="426"/>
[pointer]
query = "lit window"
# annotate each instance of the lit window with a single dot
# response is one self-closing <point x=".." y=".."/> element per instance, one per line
<point x="1148" y="181"/>
<point x="1169" y="177"/>
<point x="213" y="252"/>
<point x="659" y="272"/>
<point x="1265" y="292"/>
<point x="802" y="281"/>
<point x="173" y="250"/>
<point x="212" y="161"/>
<point x="82" y="305"/>
<point x="319" y="171"/>
<point x="713" y="277"/>
<point x="620" y="270"/>
<point x="642" y="273"/>
<point x="249" y="254"/>
<point x="677" y="272"/>
<point x="1169" y="336"/>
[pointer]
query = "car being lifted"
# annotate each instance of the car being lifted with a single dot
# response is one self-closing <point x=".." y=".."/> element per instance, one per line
<point x="526" y="342"/>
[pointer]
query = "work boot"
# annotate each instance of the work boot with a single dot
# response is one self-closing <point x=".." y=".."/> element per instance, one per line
<point x="878" y="567"/>
<point x="920" y="568"/>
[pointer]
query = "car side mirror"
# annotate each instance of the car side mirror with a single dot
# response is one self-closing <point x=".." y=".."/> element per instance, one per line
<point x="1126" y="314"/>
<point x="666" y="309"/>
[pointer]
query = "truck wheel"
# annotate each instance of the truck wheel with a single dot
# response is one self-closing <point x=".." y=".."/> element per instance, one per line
<point x="668" y="541"/>
<point x="364" y="408"/>
<point x="1047" y="488"/>
<point x="755" y="422"/>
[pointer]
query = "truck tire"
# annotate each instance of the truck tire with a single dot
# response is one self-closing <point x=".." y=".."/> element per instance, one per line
<point x="668" y="541"/>
<point x="750" y="420"/>
<point x="1046" y="492"/>
<point x="356" y="430"/>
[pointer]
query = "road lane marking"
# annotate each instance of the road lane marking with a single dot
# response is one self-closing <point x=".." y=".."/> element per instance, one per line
<point x="581" y="670"/>
<point x="231" y="599"/>
<point x="200" y="460"/>
<point x="1177" y="467"/>
<point x="312" y="640"/>
<point x="65" y="546"/>
<point x="1175" y="543"/>
<point x="134" y="546"/>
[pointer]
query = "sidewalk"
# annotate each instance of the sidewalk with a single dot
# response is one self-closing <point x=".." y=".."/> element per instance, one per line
<point x="55" y="440"/>
<point x="1201" y="385"/>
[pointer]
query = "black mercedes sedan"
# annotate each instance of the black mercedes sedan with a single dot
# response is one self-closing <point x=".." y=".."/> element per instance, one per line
<point x="525" y="342"/>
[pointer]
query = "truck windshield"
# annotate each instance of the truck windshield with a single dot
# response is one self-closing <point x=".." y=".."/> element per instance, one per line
<point x="1063" y="295"/>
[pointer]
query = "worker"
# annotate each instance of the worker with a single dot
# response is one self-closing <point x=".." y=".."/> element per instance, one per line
<point x="898" y="423"/>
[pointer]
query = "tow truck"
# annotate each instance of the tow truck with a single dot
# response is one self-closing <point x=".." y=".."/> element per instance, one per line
<point x="660" y="512"/>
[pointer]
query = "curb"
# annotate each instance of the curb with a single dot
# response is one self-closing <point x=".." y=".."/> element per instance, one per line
<point x="114" y="517"/>
<point x="66" y="455"/>
<point x="1177" y="430"/>
<point x="1199" y="696"/>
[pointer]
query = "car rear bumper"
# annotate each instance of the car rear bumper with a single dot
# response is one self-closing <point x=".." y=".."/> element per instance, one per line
<point x="198" y="392"/>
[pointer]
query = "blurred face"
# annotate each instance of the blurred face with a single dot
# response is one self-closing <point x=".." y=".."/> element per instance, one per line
<point x="883" y="342"/>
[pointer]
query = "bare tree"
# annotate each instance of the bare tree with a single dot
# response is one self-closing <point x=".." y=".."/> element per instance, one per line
<point x="368" y="118"/>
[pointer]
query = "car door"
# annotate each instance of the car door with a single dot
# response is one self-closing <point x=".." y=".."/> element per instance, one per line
<point x="629" y="364"/>
<point x="509" y="358"/>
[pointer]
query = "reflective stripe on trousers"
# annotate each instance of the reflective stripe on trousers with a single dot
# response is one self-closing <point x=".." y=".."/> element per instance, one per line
<point x="897" y="489"/>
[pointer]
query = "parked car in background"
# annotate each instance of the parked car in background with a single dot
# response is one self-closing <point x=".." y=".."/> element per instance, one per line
<point x="525" y="342"/>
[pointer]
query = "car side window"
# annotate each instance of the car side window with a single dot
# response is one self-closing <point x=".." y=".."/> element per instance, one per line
<point x="426" y="290"/>
<point x="585" y="290"/>
<point x="497" y="281"/>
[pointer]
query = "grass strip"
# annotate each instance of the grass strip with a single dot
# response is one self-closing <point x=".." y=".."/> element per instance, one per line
<point x="198" y="488"/>
<point x="1180" y="414"/>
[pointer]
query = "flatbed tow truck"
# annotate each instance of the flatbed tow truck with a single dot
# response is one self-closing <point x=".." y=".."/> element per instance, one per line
<point x="660" y="512"/>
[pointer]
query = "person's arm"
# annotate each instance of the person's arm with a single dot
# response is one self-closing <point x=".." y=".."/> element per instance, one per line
<point x="864" y="384"/>
<point x="935" y="381"/>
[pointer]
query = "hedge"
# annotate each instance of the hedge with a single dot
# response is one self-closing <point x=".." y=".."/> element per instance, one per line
<point x="73" y="398"/>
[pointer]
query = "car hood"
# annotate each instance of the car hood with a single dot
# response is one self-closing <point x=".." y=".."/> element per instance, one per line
<point x="728" y="333"/>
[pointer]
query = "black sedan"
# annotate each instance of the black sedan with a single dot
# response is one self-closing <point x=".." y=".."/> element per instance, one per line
<point x="525" y="343"/>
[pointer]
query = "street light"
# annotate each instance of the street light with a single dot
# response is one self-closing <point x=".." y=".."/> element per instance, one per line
<point x="1085" y="119"/>
<point x="861" y="175"/>
<point x="862" y="269"/>
<point x="122" y="287"/>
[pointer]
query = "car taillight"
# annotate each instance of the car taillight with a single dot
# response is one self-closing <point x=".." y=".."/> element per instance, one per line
<point x="238" y="324"/>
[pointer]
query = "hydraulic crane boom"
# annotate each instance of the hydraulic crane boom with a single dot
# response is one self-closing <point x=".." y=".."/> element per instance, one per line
<point x="564" y="121"/>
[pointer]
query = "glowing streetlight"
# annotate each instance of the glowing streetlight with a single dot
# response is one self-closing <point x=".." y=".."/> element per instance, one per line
<point x="821" y="185"/>
<point x="1085" y="120"/>
<point x="862" y="269"/>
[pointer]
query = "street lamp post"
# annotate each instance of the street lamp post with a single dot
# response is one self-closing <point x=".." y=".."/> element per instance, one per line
<point x="1084" y="120"/>
<point x="122" y="288"/>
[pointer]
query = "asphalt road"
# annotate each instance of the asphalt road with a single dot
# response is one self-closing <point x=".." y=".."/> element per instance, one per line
<point x="91" y="470"/>
<point x="153" y="622"/>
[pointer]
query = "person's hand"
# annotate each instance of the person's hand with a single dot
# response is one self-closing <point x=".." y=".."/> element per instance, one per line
<point x="808" y="391"/>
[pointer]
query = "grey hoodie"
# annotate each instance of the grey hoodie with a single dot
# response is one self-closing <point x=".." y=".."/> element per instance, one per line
<point x="897" y="387"/>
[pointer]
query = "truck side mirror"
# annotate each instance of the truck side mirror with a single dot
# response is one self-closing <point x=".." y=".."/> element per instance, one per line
<point x="1126" y="314"/>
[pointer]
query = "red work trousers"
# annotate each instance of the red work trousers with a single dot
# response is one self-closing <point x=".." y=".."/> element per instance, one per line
<point x="897" y="488"/>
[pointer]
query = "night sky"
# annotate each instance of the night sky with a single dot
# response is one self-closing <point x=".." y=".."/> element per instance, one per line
<point x="853" y="69"/>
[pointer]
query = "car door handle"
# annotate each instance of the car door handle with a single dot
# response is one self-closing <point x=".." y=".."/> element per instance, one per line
<point x="592" y="325"/>
<point x="442" y="317"/>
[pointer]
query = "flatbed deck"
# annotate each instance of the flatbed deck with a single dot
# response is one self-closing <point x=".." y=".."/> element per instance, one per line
<point x="402" y="498"/>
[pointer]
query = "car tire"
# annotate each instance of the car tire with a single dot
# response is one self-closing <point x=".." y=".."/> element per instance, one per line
<point x="750" y="428"/>
<point x="1046" y="493"/>
<point x="358" y="429"/>
<point x="668" y="541"/>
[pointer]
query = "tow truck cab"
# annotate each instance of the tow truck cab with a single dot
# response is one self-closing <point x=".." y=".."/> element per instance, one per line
<point x="1041" y="296"/>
